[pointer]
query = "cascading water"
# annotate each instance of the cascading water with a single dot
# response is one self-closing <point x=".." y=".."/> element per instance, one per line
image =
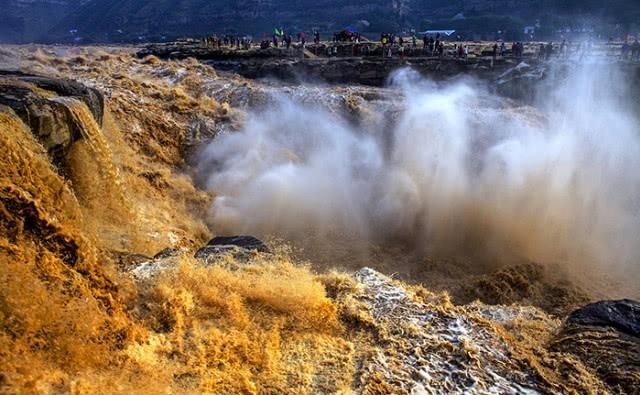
<point x="437" y="167"/>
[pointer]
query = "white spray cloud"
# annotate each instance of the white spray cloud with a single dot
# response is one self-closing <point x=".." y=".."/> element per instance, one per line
<point x="461" y="170"/>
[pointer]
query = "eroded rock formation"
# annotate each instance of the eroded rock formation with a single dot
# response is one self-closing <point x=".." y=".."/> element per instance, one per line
<point x="605" y="336"/>
<point x="38" y="102"/>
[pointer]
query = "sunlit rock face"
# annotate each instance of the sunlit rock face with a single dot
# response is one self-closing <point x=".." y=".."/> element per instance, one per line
<point x="49" y="118"/>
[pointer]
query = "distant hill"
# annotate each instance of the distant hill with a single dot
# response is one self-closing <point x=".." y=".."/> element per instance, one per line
<point x="155" y="20"/>
<point x="31" y="20"/>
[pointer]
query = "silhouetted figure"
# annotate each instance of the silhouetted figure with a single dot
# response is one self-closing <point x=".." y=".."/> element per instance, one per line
<point x="549" y="51"/>
<point x="635" y="50"/>
<point x="520" y="49"/>
<point x="625" y="50"/>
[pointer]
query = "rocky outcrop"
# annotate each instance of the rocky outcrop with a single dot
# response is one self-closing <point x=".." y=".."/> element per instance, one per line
<point x="39" y="102"/>
<point x="247" y="242"/>
<point x="444" y="357"/>
<point x="622" y="315"/>
<point x="521" y="81"/>
<point x="359" y="64"/>
<point x="193" y="49"/>
<point x="366" y="71"/>
<point x="605" y="336"/>
<point x="239" y="247"/>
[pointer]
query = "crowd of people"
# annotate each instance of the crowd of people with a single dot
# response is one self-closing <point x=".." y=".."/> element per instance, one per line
<point x="280" y="39"/>
<point x="584" y="49"/>
<point x="346" y="36"/>
<point x="630" y="51"/>
<point x="432" y="46"/>
<point x="226" y="40"/>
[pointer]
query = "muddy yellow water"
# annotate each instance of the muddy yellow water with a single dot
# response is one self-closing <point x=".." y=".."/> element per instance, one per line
<point x="73" y="319"/>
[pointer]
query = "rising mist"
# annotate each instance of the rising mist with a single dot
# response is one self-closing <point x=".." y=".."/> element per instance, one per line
<point x="456" y="170"/>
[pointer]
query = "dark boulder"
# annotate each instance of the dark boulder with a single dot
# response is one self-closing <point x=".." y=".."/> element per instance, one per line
<point x="210" y="253"/>
<point x="246" y="242"/>
<point x="605" y="336"/>
<point x="242" y="248"/>
<point x="63" y="87"/>
<point x="622" y="315"/>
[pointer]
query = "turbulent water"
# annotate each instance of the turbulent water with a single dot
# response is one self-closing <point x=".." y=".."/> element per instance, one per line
<point x="415" y="179"/>
<point x="448" y="168"/>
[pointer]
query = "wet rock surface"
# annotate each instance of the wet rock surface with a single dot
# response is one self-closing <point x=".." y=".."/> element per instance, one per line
<point x="294" y="64"/>
<point x="240" y="248"/>
<point x="62" y="87"/>
<point x="622" y="315"/>
<point x="442" y="359"/>
<point x="521" y="80"/>
<point x="366" y="71"/>
<point x="36" y="100"/>
<point x="246" y="242"/>
<point x="605" y="336"/>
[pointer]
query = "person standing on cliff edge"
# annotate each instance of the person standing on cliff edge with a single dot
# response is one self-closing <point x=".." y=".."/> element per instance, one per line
<point x="635" y="50"/>
<point x="549" y="51"/>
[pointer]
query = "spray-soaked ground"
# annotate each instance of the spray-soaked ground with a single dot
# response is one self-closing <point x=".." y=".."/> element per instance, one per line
<point x="448" y="171"/>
